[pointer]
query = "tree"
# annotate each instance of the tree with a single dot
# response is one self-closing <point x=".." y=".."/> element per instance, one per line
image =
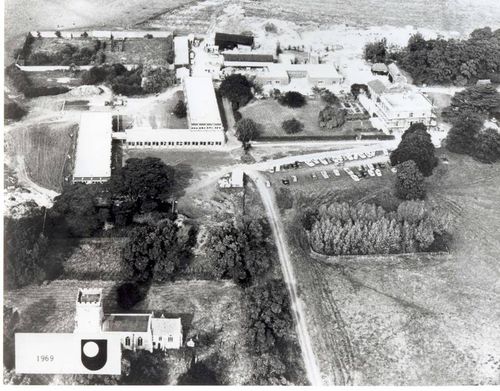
<point x="247" y="130"/>
<point x="462" y="135"/>
<point x="356" y="89"/>
<point x="75" y="211"/>
<point x="270" y="28"/>
<point x="58" y="34"/>
<point x="153" y="252"/>
<point x="416" y="145"/>
<point x="376" y="51"/>
<point x="292" y="126"/>
<point x="129" y="294"/>
<point x="332" y="117"/>
<point x="409" y="181"/>
<point x="292" y="99"/>
<point x="199" y="374"/>
<point x="238" y="89"/>
<point x="487" y="146"/>
<point x="180" y="109"/>
<point x="14" y="111"/>
<point x="155" y="80"/>
<point x="147" y="180"/>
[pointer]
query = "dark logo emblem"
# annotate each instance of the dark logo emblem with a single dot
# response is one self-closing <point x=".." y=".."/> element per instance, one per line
<point x="94" y="353"/>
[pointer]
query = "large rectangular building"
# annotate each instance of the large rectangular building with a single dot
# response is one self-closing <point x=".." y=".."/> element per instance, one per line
<point x="93" y="149"/>
<point x="174" y="138"/>
<point x="202" y="108"/>
<point x="181" y="50"/>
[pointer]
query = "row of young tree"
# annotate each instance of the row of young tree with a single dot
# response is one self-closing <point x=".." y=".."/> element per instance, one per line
<point x="362" y="229"/>
<point x="444" y="61"/>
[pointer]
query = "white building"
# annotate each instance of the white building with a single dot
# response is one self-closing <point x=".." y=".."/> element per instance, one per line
<point x="181" y="50"/>
<point x="136" y="331"/>
<point x="93" y="149"/>
<point x="321" y="75"/>
<point x="202" y="107"/>
<point x="399" y="109"/>
<point x="174" y="138"/>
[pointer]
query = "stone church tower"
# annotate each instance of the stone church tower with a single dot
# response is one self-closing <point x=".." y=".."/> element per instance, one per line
<point x="89" y="312"/>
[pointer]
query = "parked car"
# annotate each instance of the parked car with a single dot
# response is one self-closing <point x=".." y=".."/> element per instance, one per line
<point x="268" y="184"/>
<point x="378" y="172"/>
<point x="362" y="155"/>
<point x="394" y="169"/>
<point x="371" y="173"/>
<point x="294" y="178"/>
<point x="336" y="172"/>
<point x="355" y="178"/>
<point x="285" y="181"/>
<point x="323" y="162"/>
<point x="315" y="161"/>
<point x="314" y="176"/>
<point x="324" y="174"/>
<point x="310" y="164"/>
<point x="271" y="170"/>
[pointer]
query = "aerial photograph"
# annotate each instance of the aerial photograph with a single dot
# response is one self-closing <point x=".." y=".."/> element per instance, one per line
<point x="251" y="192"/>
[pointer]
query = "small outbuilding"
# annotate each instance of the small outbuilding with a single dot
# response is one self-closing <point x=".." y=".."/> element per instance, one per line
<point x="380" y="68"/>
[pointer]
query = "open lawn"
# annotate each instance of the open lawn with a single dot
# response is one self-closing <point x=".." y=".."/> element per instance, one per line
<point x="270" y="114"/>
<point x="210" y="310"/>
<point x="45" y="150"/>
<point x="430" y="319"/>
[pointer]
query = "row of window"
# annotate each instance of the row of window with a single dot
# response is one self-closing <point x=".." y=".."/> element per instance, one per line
<point x="140" y="341"/>
<point x="171" y="143"/>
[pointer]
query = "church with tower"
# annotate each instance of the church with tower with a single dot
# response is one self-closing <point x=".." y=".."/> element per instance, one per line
<point x="137" y="331"/>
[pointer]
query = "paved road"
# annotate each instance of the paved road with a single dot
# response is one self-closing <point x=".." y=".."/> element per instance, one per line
<point x="267" y="196"/>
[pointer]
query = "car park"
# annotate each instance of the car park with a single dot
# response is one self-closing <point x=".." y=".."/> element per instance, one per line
<point x="324" y="174"/>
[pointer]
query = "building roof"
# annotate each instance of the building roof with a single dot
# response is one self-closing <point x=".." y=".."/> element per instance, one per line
<point x="318" y="71"/>
<point x="237" y="178"/>
<point x="201" y="100"/>
<point x="377" y="86"/>
<point x="248" y="57"/>
<point x="159" y="135"/>
<point x="127" y="322"/>
<point x="380" y="67"/>
<point x="181" y="50"/>
<point x="166" y="326"/>
<point x="93" y="150"/>
<point x="236" y="39"/>
<point x="407" y="101"/>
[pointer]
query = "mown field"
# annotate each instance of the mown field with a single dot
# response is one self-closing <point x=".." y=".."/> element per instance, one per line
<point x="46" y="150"/>
<point x="396" y="320"/>
<point x="270" y="114"/>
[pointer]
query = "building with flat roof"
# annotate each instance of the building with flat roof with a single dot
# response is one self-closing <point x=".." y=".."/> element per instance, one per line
<point x="136" y="331"/>
<point x="320" y="75"/>
<point x="202" y="107"/>
<point x="395" y="75"/>
<point x="174" y="138"/>
<point x="93" y="148"/>
<point x="230" y="41"/>
<point x="181" y="51"/>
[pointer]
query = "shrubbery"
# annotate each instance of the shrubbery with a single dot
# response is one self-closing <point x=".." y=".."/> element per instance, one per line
<point x="292" y="126"/>
<point x="70" y="54"/>
<point x="14" y="111"/>
<point x="409" y="181"/>
<point x="343" y="229"/>
<point x="292" y="99"/>
<point x="238" y="89"/>
<point x="376" y="51"/>
<point x="247" y="130"/>
<point x="23" y="84"/>
<point x="180" y="109"/>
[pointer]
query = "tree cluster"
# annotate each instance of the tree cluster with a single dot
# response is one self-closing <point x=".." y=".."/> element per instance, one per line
<point x="155" y="252"/>
<point x="239" y="250"/>
<point x="416" y="145"/>
<point x="13" y="110"/>
<point x="292" y="99"/>
<point x="332" y="117"/>
<point x="376" y="51"/>
<point x="467" y="112"/>
<point x="409" y="181"/>
<point x="155" y="80"/>
<point x="357" y="88"/>
<point x="343" y="229"/>
<point x="238" y="89"/>
<point x="24" y="251"/>
<point x="70" y="54"/>
<point x="452" y="61"/>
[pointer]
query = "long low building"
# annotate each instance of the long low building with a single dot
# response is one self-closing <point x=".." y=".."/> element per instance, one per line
<point x="317" y="74"/>
<point x="93" y="149"/>
<point x="202" y="107"/>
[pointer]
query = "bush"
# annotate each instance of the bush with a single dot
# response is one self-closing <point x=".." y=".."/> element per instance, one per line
<point x="409" y="181"/>
<point x="292" y="126"/>
<point x="376" y="51"/>
<point x="238" y="89"/>
<point x="148" y="36"/>
<point x="129" y="294"/>
<point x="462" y="135"/>
<point x="487" y="146"/>
<point x="292" y="99"/>
<point x="356" y="90"/>
<point x="270" y="28"/>
<point x="180" y="109"/>
<point x="332" y="117"/>
<point x="157" y="79"/>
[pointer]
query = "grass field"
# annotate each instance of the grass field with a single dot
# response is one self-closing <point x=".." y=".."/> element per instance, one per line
<point x="44" y="149"/>
<point x="399" y="321"/>
<point x="210" y="310"/>
<point x="270" y="114"/>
